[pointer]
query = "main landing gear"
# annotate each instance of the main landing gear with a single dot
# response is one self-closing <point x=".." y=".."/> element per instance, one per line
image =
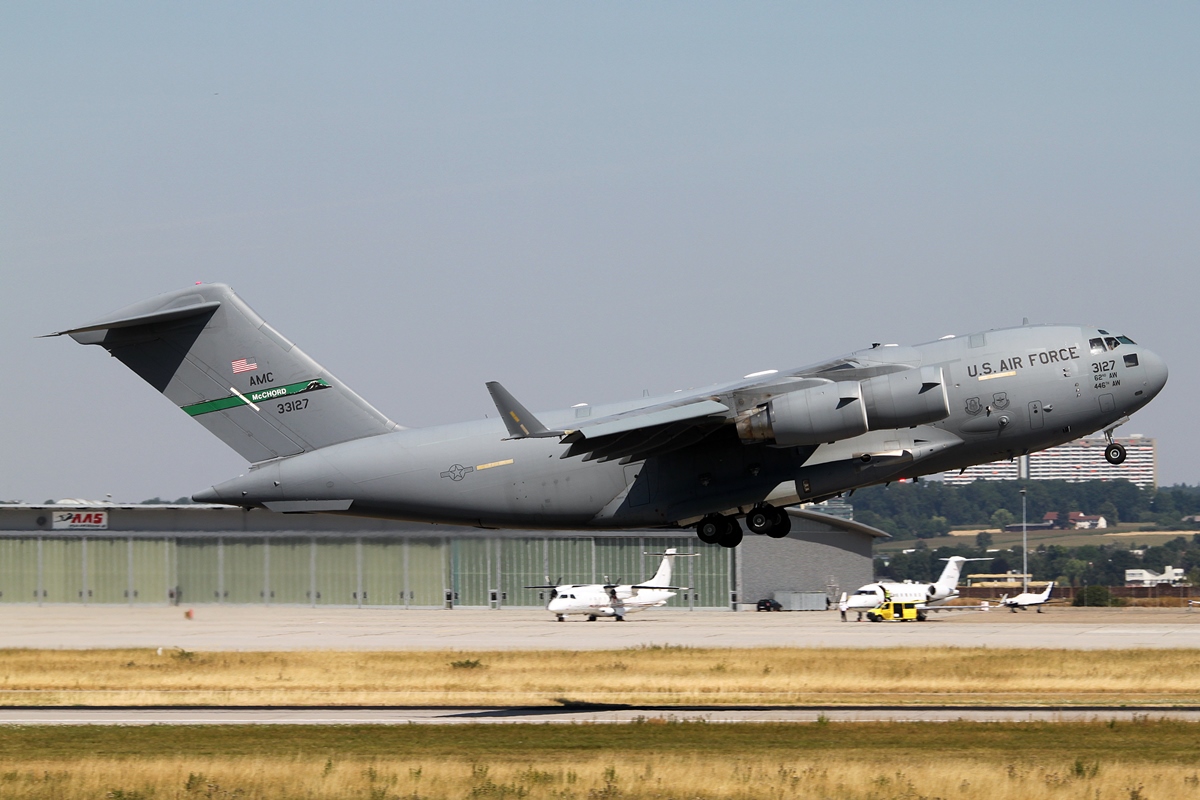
<point x="1113" y="453"/>
<point x="725" y="531"/>
<point x="768" y="519"/>
<point x="719" y="529"/>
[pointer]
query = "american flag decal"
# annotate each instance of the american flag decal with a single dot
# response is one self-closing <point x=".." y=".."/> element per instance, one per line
<point x="243" y="365"/>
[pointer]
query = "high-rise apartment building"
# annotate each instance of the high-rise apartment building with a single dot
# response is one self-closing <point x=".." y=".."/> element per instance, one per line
<point x="1080" y="460"/>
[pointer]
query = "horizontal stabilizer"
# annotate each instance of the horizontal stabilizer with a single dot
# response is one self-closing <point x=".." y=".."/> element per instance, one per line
<point x="520" y="422"/>
<point x="193" y="308"/>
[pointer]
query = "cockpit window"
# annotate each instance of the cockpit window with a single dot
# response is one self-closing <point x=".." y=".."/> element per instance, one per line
<point x="1097" y="345"/>
<point x="1103" y="331"/>
<point x="1112" y="342"/>
<point x="1125" y="340"/>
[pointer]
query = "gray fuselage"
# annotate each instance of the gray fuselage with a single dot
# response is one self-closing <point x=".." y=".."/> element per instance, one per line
<point x="1009" y="391"/>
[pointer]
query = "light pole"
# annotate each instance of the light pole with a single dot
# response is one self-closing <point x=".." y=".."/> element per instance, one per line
<point x="1024" y="547"/>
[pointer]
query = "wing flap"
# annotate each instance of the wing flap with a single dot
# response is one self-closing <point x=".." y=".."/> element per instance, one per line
<point x="636" y="420"/>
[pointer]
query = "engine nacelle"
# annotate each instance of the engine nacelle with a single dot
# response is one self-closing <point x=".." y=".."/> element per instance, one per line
<point x="823" y="413"/>
<point x="907" y="398"/>
<point x="835" y="411"/>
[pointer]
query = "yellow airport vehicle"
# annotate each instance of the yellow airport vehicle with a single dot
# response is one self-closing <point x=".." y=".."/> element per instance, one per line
<point x="895" y="612"/>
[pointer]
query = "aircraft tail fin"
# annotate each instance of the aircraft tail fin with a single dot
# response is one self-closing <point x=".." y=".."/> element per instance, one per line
<point x="663" y="576"/>
<point x="952" y="572"/>
<point x="1049" y="588"/>
<point x="212" y="356"/>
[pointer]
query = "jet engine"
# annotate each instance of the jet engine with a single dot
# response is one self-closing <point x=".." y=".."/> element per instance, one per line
<point x="841" y="410"/>
<point x="907" y="398"/>
<point x="823" y="413"/>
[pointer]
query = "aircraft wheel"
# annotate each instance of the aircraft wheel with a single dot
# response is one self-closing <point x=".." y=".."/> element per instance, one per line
<point x="711" y="528"/>
<point x="733" y="538"/>
<point x="591" y="617"/>
<point x="781" y="526"/>
<point x="620" y="619"/>
<point x="760" y="519"/>
<point x="1114" y="454"/>
<point x="921" y="616"/>
<point x="561" y="618"/>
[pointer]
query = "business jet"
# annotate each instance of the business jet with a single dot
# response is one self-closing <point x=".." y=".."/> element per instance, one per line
<point x="926" y="595"/>
<point x="611" y="599"/>
<point x="1027" y="599"/>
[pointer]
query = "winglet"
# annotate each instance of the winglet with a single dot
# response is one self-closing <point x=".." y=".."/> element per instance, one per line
<point x="520" y="423"/>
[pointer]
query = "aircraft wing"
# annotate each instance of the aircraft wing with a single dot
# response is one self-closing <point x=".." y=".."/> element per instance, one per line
<point x="693" y="415"/>
<point x="984" y="606"/>
<point x="647" y="431"/>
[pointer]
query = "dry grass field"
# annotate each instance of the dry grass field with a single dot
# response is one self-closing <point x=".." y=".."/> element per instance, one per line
<point x="654" y="759"/>
<point x="641" y="676"/>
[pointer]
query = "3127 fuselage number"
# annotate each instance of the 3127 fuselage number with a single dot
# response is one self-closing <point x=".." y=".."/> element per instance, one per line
<point x="292" y="405"/>
<point x="1103" y="366"/>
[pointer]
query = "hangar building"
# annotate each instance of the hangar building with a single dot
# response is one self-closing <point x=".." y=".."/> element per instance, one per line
<point x="192" y="554"/>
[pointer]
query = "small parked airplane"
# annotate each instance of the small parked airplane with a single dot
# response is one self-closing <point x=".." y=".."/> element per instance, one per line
<point x="926" y="595"/>
<point x="1027" y="599"/>
<point x="611" y="599"/>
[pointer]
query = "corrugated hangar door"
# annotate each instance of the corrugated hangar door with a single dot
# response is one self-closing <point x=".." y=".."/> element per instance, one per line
<point x="19" y="570"/>
<point x="383" y="572"/>
<point x="336" y="572"/>
<point x="198" y="577"/>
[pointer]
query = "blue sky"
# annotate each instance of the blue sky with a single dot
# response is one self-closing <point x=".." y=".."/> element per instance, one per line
<point x="579" y="200"/>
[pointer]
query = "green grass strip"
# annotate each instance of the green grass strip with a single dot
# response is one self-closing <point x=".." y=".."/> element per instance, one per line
<point x="1144" y="740"/>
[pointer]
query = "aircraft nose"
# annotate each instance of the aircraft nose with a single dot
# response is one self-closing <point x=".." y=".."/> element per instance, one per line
<point x="1156" y="373"/>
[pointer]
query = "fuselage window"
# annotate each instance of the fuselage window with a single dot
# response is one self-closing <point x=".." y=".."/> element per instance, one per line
<point x="1131" y="360"/>
<point x="1097" y="345"/>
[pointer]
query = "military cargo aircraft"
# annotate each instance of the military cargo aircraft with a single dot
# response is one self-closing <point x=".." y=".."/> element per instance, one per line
<point x="707" y="458"/>
<point x="613" y="599"/>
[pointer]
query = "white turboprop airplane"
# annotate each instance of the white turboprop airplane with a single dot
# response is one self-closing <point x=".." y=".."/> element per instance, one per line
<point x="927" y="596"/>
<point x="611" y="599"/>
<point x="1027" y="599"/>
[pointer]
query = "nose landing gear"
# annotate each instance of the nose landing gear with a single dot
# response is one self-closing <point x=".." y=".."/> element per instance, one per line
<point x="1113" y="453"/>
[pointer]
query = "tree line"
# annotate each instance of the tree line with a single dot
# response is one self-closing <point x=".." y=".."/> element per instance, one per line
<point x="927" y="509"/>
<point x="1088" y="565"/>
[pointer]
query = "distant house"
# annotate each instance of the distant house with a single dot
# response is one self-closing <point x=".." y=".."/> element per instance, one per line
<point x="1148" y="577"/>
<point x="1078" y="520"/>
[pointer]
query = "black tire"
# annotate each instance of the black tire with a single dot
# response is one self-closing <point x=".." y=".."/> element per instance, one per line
<point x="760" y="519"/>
<point x="733" y="537"/>
<point x="1114" y="454"/>
<point x="781" y="526"/>
<point x="710" y="528"/>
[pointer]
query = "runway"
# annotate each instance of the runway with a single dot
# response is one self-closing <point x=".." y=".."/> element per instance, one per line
<point x="281" y="628"/>
<point x="574" y="716"/>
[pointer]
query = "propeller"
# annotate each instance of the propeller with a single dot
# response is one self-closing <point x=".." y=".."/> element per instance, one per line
<point x="553" y="587"/>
